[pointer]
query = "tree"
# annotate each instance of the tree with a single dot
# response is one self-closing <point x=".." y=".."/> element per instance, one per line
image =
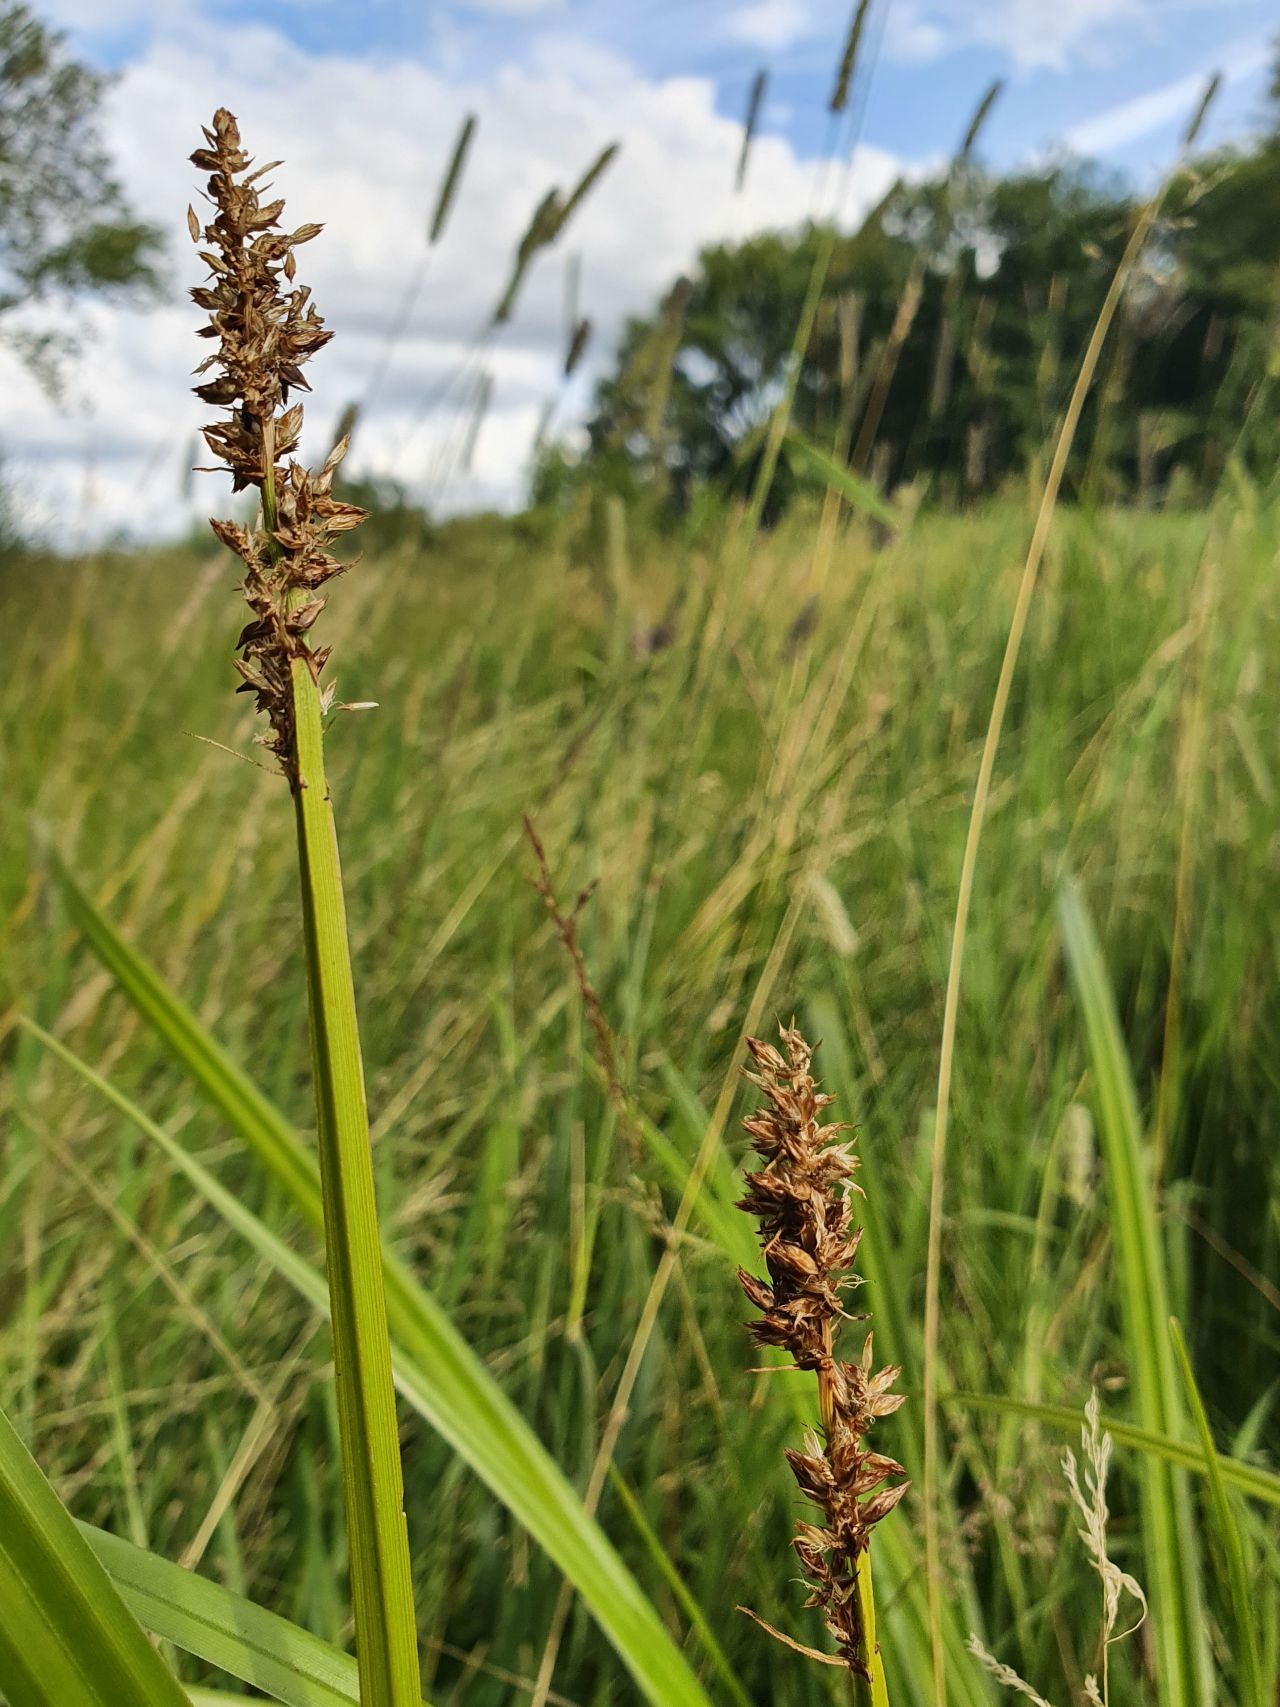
<point x="65" y="227"/>
<point x="930" y="353"/>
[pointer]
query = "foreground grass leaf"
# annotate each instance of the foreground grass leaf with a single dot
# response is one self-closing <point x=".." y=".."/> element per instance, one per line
<point x="246" y="1641"/>
<point x="1168" y="1527"/>
<point x="1245" y="1645"/>
<point x="67" y="1639"/>
<point x="436" y="1370"/>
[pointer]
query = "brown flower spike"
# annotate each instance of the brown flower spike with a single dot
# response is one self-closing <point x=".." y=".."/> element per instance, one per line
<point x="801" y="1198"/>
<point x="266" y="328"/>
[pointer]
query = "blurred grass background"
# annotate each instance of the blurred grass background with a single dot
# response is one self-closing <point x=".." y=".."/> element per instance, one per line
<point x="770" y="785"/>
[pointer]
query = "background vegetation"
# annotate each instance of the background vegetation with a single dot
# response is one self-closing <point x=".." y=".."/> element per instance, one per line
<point x="757" y="755"/>
<point x="773" y="804"/>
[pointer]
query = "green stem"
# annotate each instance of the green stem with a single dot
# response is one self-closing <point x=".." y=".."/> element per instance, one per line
<point x="373" y="1487"/>
<point x="381" y="1583"/>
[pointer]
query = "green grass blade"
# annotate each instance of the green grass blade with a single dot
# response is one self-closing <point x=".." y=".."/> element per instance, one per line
<point x="67" y="1639"/>
<point x="858" y="493"/>
<point x="438" y="1374"/>
<point x="1172" y="1553"/>
<point x="692" y="1611"/>
<point x="1251" y="1479"/>
<point x="235" y="1096"/>
<point x="378" y="1540"/>
<point x="1245" y="1646"/>
<point x="201" y="1617"/>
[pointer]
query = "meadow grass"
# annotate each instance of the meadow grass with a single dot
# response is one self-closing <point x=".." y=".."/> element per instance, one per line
<point x="774" y="826"/>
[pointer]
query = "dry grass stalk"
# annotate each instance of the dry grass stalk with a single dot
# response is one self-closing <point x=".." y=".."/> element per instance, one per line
<point x="583" y="188"/>
<point x="547" y="225"/>
<point x="577" y="345"/>
<point x="665" y="348"/>
<point x="266" y="328"/>
<point x="801" y="1198"/>
<point x="452" y="178"/>
<point x="542" y="230"/>
<point x="1088" y="1490"/>
<point x="567" y="929"/>
<point x="981" y="113"/>
<point x="849" y="58"/>
<point x="755" y="101"/>
<point x="904" y="319"/>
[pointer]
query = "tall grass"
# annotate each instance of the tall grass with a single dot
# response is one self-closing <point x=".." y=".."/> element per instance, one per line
<point x="787" y="835"/>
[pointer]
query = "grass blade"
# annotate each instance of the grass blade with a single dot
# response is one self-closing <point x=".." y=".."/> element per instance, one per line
<point x="1249" y="1479"/>
<point x="1173" y="1567"/>
<point x="692" y="1611"/>
<point x="1248" y="1666"/>
<point x="201" y="1617"/>
<point x="858" y="493"/>
<point x="436" y="1371"/>
<point x="67" y="1639"/>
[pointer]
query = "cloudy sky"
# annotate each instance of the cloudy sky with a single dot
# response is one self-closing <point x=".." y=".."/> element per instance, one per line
<point x="363" y="100"/>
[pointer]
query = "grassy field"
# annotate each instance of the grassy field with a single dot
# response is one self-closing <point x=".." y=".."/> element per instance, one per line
<point x="772" y="802"/>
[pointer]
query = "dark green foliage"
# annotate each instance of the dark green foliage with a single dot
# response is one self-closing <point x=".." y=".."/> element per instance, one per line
<point x="1012" y="272"/>
<point x="65" y="227"/>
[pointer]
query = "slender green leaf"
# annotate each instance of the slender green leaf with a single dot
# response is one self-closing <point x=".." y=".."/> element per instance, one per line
<point x="373" y="1488"/>
<point x="722" y="1226"/>
<point x="1173" y="1556"/>
<point x="201" y="1617"/>
<point x="1251" y="1479"/>
<point x="1245" y="1646"/>
<point x="435" y="1369"/>
<point x="67" y="1639"/>
<point x="858" y="493"/>
<point x="662" y="1560"/>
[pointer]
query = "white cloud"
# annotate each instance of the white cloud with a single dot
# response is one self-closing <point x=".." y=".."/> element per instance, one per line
<point x="773" y="24"/>
<point x="1035" y="34"/>
<point x="1129" y="121"/>
<point x="364" y="141"/>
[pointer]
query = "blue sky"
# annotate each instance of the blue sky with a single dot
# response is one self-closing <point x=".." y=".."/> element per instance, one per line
<point x="1111" y="70"/>
<point x="362" y="98"/>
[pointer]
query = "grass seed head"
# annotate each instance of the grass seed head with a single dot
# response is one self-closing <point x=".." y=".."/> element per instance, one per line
<point x="801" y="1198"/>
<point x="266" y="328"/>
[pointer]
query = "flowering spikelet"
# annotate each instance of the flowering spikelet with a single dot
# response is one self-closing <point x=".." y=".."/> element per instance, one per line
<point x="801" y="1198"/>
<point x="266" y="328"/>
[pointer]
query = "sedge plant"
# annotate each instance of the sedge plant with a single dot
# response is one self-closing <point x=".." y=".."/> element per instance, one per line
<point x="800" y="1195"/>
<point x="265" y="328"/>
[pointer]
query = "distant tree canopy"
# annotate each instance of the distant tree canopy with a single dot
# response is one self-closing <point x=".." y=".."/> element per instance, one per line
<point x="65" y="227"/>
<point x="950" y="332"/>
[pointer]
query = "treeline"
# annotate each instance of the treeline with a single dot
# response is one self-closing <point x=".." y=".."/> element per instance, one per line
<point x="949" y="333"/>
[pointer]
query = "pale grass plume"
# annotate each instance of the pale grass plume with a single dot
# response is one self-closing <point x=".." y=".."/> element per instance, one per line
<point x="1088" y="1490"/>
<point x="1091" y="1502"/>
<point x="1003" y="1674"/>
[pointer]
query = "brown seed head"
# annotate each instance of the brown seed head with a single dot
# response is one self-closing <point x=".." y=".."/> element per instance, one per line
<point x="266" y="329"/>
<point x="801" y="1199"/>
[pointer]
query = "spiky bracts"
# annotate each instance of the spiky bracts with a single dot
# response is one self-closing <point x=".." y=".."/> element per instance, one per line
<point x="267" y="328"/>
<point x="801" y="1199"/>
